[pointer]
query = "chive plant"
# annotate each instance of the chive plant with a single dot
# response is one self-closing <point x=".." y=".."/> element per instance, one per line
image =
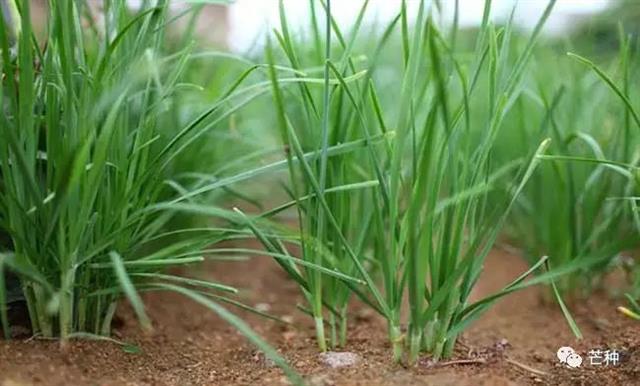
<point x="337" y="190"/>
<point x="87" y="153"/>
<point x="567" y="212"/>
<point x="72" y="160"/>
<point x="425" y="226"/>
<point x="440" y="173"/>
<point x="332" y="192"/>
<point x="623" y="163"/>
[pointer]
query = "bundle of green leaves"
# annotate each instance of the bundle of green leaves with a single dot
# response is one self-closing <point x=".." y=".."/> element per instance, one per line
<point x="88" y="146"/>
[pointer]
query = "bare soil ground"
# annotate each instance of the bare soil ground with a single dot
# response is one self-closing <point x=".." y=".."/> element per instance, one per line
<point x="515" y="343"/>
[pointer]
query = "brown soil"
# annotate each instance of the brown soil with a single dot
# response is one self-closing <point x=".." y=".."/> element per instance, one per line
<point x="515" y="343"/>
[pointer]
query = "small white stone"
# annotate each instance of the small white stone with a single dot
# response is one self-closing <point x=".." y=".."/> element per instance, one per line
<point x="339" y="359"/>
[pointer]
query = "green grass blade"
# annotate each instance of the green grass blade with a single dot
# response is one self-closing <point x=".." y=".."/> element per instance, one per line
<point x="611" y="85"/>
<point x="129" y="290"/>
<point x="565" y="310"/>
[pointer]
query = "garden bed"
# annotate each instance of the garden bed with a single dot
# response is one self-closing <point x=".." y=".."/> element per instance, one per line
<point x="514" y="343"/>
<point x="402" y="150"/>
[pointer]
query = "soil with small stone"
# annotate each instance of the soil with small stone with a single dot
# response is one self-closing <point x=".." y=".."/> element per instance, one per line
<point x="515" y="343"/>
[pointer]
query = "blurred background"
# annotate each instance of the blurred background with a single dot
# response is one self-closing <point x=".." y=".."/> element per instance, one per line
<point x="241" y="25"/>
<point x="249" y="19"/>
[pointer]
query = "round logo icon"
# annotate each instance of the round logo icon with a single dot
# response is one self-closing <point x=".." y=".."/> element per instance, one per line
<point x="569" y="357"/>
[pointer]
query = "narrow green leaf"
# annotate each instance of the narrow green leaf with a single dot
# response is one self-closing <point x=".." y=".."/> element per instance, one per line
<point x="129" y="290"/>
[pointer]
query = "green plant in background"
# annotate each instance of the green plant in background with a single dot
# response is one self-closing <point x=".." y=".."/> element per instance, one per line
<point x="623" y="164"/>
<point x="11" y="19"/>
<point x="568" y="212"/>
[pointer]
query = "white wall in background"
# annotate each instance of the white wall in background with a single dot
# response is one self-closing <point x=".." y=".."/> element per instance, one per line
<point x="250" y="18"/>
